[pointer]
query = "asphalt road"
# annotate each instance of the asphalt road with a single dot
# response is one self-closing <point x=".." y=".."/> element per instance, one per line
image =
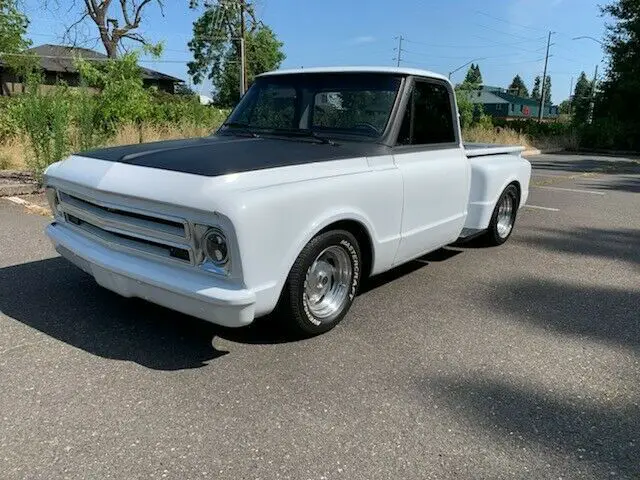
<point x="514" y="362"/>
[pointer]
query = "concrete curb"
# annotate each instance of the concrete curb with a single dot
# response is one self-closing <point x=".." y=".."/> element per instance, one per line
<point x="530" y="152"/>
<point x="16" y="182"/>
<point x="12" y="189"/>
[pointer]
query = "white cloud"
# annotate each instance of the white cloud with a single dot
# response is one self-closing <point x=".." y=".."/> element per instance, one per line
<point x="362" y="39"/>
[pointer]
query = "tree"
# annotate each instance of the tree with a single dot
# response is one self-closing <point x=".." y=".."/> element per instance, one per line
<point x="547" y="90"/>
<point x="115" y="24"/>
<point x="582" y="100"/>
<point x="478" y="75"/>
<point x="13" y="28"/>
<point x="565" y="107"/>
<point x="620" y="97"/>
<point x="535" y="93"/>
<point x="518" y="87"/>
<point x="216" y="48"/>
<point x="473" y="77"/>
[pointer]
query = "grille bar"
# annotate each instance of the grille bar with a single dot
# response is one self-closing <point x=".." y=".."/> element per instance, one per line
<point x="123" y="229"/>
<point x="160" y="227"/>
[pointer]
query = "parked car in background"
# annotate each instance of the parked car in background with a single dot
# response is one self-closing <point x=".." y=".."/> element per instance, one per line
<point x="318" y="179"/>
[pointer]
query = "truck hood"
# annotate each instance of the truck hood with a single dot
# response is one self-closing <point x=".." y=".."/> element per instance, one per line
<point x="223" y="154"/>
<point x="205" y="173"/>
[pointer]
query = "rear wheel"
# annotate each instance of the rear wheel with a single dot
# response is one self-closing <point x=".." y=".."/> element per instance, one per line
<point x="504" y="217"/>
<point x="322" y="283"/>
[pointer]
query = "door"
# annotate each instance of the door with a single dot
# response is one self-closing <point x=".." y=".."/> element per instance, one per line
<point x="435" y="171"/>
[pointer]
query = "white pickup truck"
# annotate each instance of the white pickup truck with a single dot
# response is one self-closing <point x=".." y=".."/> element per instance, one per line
<point x="318" y="179"/>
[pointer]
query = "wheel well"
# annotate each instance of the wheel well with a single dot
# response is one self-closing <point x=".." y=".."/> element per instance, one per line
<point x="361" y="233"/>
<point x="516" y="184"/>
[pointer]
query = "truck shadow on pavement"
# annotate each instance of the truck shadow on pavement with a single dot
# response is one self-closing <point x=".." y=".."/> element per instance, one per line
<point x="592" y="426"/>
<point x="54" y="297"/>
<point x="621" y="184"/>
<point x="596" y="242"/>
<point x="601" y="440"/>
<point x="589" y="165"/>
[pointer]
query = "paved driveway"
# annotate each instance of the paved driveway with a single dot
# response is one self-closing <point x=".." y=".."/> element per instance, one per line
<point x="514" y="362"/>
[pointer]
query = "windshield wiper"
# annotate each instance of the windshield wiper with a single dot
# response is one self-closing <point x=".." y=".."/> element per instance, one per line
<point x="245" y="127"/>
<point x="303" y="132"/>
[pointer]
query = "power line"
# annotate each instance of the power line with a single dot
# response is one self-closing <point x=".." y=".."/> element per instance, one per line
<point x="509" y="22"/>
<point x="504" y="33"/>
<point x="431" y="45"/>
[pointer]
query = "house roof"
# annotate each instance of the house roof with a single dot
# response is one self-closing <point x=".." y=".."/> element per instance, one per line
<point x="517" y="100"/>
<point x="60" y="58"/>
<point x="491" y="95"/>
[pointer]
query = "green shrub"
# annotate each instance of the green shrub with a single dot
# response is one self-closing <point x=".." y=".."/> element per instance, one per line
<point x="9" y="121"/>
<point x="44" y="119"/>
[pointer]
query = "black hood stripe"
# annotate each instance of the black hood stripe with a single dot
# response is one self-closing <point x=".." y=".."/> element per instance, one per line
<point x="223" y="154"/>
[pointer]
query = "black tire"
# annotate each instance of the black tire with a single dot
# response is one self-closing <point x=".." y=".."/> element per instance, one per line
<point x="493" y="236"/>
<point x="293" y="306"/>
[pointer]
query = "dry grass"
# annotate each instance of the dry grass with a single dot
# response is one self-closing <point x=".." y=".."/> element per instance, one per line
<point x="12" y="155"/>
<point x="130" y="134"/>
<point x="12" y="152"/>
<point x="507" y="136"/>
<point x="503" y="136"/>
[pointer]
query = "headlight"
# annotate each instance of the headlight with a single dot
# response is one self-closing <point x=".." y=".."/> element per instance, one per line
<point x="54" y="202"/>
<point x="214" y="251"/>
<point x="215" y="247"/>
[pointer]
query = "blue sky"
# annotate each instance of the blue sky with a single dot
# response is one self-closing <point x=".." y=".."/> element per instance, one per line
<point x="440" y="35"/>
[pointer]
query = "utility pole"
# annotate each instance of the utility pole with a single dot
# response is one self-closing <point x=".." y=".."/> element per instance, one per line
<point x="544" y="79"/>
<point x="243" y="61"/>
<point x="592" y="103"/>
<point x="399" y="57"/>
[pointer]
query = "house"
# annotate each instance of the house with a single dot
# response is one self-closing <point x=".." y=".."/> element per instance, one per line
<point x="57" y="64"/>
<point x="499" y="103"/>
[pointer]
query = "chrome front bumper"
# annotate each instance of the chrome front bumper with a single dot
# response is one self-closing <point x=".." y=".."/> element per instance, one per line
<point x="195" y="293"/>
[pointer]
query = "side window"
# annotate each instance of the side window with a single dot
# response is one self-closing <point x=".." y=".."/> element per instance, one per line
<point x="428" y="118"/>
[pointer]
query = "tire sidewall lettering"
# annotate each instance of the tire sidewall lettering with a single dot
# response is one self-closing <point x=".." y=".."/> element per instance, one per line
<point x="355" y="265"/>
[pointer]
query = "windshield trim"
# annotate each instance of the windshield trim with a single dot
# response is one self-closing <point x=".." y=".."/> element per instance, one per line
<point x="326" y="132"/>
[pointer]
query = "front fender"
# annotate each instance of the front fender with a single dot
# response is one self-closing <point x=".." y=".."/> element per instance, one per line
<point x="274" y="224"/>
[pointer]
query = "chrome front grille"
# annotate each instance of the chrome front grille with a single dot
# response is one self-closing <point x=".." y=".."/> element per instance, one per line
<point x="129" y="229"/>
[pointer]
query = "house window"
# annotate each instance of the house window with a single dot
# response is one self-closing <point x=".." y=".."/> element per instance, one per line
<point x="513" y="107"/>
<point x="521" y="108"/>
<point x="498" y="107"/>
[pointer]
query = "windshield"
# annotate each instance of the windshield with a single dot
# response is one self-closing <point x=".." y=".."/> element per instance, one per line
<point x="330" y="104"/>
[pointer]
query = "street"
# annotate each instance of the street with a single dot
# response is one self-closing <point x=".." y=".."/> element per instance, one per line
<point x="521" y="361"/>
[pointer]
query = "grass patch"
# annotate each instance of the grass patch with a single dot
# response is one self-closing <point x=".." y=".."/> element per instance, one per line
<point x="13" y="152"/>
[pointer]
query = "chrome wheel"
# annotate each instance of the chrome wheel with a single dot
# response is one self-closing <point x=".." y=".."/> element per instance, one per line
<point x="505" y="216"/>
<point x="327" y="282"/>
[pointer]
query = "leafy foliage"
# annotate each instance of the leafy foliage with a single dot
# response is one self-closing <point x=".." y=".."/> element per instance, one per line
<point x="518" y="87"/>
<point x="473" y="77"/>
<point x="547" y="90"/>
<point x="216" y="49"/>
<point x="565" y="107"/>
<point x="581" y="100"/>
<point x="535" y="93"/>
<point x="123" y="97"/>
<point x="617" y="118"/>
<point x="44" y="117"/>
<point x="13" y="43"/>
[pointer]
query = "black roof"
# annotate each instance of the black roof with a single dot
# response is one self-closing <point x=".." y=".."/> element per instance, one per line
<point x="59" y="58"/>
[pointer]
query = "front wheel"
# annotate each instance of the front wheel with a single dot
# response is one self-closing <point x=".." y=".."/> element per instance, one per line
<point x="504" y="217"/>
<point x="322" y="283"/>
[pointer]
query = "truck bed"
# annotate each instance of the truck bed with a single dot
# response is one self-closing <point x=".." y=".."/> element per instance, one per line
<point x="484" y="149"/>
